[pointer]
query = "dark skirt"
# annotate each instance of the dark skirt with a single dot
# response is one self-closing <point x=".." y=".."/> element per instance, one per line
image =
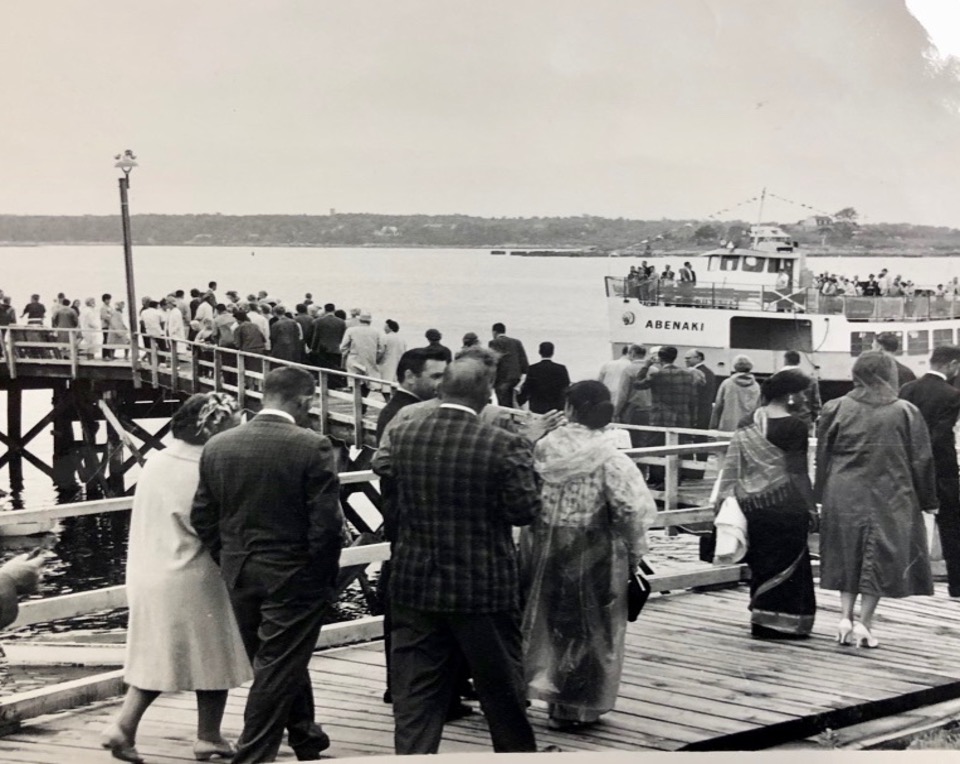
<point x="782" y="598"/>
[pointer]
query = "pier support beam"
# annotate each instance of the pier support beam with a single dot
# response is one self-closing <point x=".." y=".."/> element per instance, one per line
<point x="15" y="434"/>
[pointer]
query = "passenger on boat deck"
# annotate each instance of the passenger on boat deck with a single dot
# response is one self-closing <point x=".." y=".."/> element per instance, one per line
<point x="667" y="275"/>
<point x="875" y="477"/>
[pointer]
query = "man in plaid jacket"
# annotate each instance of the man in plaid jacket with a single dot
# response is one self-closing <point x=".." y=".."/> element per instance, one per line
<point x="461" y="486"/>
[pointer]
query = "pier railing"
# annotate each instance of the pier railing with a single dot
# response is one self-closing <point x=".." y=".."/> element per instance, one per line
<point x="182" y="366"/>
<point x="364" y="554"/>
<point x="750" y="297"/>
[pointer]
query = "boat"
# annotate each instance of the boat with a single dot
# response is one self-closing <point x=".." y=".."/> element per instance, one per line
<point x="758" y="299"/>
<point x="549" y="252"/>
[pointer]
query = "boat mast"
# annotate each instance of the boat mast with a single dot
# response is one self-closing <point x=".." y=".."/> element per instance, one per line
<point x="763" y="196"/>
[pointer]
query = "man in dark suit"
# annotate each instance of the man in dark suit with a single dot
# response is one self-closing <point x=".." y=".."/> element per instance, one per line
<point x="888" y="343"/>
<point x="511" y="367"/>
<point x="461" y="486"/>
<point x="326" y="334"/>
<point x="268" y="509"/>
<point x="705" y="392"/>
<point x="546" y="383"/>
<point x="419" y="373"/>
<point x="939" y="403"/>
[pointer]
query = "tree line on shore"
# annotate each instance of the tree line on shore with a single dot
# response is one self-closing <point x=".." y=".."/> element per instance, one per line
<point x="596" y="234"/>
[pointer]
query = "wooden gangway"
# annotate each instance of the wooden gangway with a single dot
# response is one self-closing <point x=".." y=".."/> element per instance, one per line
<point x="693" y="680"/>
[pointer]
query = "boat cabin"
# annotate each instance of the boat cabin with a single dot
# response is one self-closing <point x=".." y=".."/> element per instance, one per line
<point x="752" y="264"/>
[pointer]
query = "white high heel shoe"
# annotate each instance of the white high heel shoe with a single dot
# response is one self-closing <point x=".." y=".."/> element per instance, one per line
<point x="862" y="636"/>
<point x="844" y="630"/>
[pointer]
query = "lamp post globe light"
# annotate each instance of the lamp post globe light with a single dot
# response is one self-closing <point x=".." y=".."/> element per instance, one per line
<point x="126" y="162"/>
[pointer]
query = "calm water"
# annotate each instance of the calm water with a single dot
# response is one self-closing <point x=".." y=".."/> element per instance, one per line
<point x="454" y="290"/>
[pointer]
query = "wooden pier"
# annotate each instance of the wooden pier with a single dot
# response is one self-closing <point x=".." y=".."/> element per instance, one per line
<point x="693" y="680"/>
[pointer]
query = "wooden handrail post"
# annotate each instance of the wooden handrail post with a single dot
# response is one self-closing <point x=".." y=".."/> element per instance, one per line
<point x="357" y="414"/>
<point x="241" y="380"/>
<point x="671" y="476"/>
<point x="74" y="353"/>
<point x="11" y="354"/>
<point x="195" y="367"/>
<point x="218" y="369"/>
<point x="174" y="365"/>
<point x="322" y="391"/>
<point x="154" y="361"/>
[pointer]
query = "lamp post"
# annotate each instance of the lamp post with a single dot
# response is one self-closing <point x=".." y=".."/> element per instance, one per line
<point x="126" y="162"/>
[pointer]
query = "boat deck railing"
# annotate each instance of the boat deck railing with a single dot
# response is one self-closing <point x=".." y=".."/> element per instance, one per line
<point x="750" y="297"/>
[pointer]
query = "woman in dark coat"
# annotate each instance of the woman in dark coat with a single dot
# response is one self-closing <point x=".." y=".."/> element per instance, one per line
<point x="875" y="476"/>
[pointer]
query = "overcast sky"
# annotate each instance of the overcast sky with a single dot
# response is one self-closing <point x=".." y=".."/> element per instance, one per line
<point x="634" y="108"/>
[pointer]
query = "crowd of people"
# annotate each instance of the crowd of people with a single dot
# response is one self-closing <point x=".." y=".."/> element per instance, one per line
<point x="882" y="284"/>
<point x="513" y="538"/>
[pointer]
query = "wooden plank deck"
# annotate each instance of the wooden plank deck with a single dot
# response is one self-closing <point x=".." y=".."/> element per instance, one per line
<point x="692" y="674"/>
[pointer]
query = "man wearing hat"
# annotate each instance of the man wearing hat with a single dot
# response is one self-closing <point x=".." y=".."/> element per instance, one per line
<point x="363" y="349"/>
<point x="470" y="340"/>
<point x="433" y="341"/>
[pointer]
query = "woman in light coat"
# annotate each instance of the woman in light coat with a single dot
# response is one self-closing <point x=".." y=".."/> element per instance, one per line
<point x="182" y="634"/>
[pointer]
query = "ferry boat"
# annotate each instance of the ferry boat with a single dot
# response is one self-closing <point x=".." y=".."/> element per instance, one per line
<point x="759" y="300"/>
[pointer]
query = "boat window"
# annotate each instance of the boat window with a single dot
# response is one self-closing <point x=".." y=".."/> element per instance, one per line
<point x="860" y="342"/>
<point x="729" y="262"/>
<point x="773" y="265"/>
<point x="753" y="264"/>
<point x="918" y="342"/>
<point x="942" y="337"/>
<point x="712" y="263"/>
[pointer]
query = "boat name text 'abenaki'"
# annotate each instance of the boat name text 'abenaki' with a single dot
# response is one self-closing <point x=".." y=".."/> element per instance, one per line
<point x="684" y="326"/>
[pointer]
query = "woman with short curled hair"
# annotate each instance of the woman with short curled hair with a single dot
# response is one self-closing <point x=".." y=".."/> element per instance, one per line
<point x="577" y="556"/>
<point x="182" y="634"/>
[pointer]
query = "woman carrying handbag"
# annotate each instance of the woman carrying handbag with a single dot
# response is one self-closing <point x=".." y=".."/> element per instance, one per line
<point x="765" y="471"/>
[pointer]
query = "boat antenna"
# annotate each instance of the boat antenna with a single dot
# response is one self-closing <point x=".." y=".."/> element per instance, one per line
<point x="763" y="196"/>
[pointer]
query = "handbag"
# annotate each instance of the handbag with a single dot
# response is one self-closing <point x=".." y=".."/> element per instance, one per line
<point x="638" y="592"/>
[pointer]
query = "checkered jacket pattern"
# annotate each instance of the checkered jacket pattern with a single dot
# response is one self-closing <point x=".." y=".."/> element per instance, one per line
<point x="462" y="484"/>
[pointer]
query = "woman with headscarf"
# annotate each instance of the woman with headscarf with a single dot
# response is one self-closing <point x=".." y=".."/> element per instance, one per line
<point x="738" y="396"/>
<point x="577" y="558"/>
<point x="765" y="469"/>
<point x="182" y="634"/>
<point x="875" y="476"/>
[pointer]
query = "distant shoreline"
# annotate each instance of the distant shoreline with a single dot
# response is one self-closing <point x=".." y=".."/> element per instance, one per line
<point x="541" y="253"/>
